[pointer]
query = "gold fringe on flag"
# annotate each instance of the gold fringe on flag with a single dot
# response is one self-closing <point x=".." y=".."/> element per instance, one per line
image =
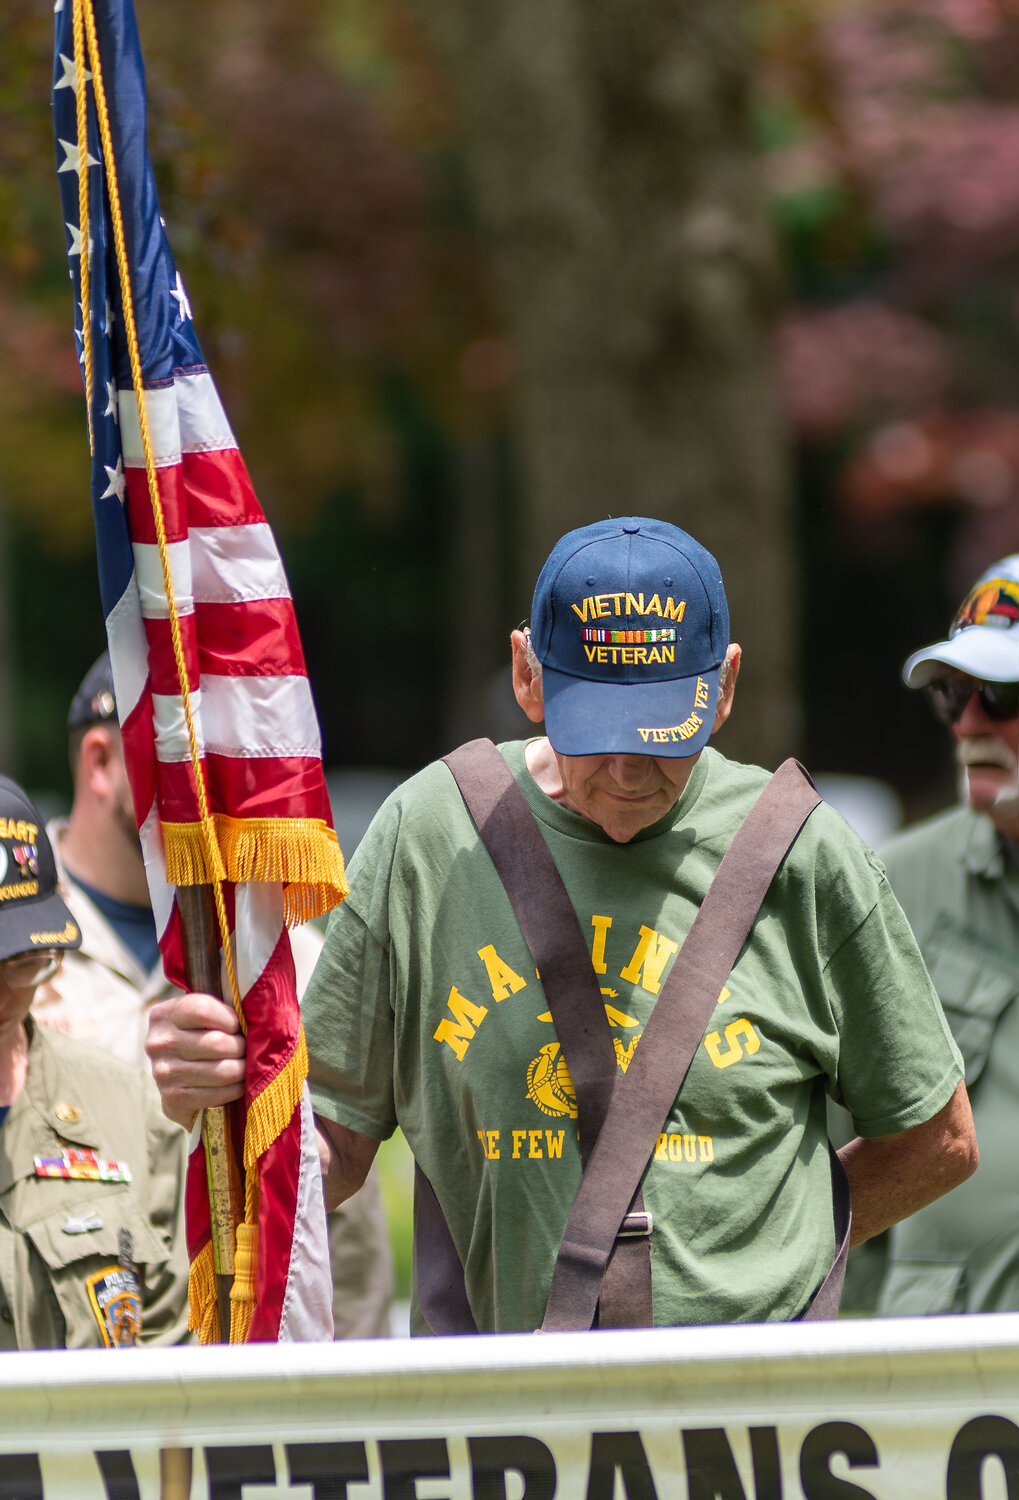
<point x="203" y="1311"/>
<point x="271" y="1111"/>
<point x="268" y="1116"/>
<point x="303" y="854"/>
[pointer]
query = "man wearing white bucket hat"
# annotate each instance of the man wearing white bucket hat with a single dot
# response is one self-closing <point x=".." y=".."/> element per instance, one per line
<point x="957" y="878"/>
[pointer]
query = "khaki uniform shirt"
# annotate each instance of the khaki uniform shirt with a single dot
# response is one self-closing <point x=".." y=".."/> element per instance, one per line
<point x="959" y="888"/>
<point x="102" y="995"/>
<point x="83" y="1261"/>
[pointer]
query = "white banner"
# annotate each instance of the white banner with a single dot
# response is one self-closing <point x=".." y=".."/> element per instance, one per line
<point x="924" y="1409"/>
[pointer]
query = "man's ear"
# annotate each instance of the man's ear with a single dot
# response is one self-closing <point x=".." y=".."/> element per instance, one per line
<point x="723" y="708"/>
<point x="94" y="758"/>
<point x="526" y="684"/>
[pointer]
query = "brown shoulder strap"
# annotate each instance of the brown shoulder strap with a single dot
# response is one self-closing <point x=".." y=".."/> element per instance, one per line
<point x="552" y="932"/>
<point x="670" y="1039"/>
<point x="551" y="929"/>
<point x="549" y="923"/>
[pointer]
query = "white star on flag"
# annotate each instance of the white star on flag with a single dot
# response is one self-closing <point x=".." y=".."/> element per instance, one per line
<point x="70" y="78"/>
<point x="109" y="317"/>
<point x="76" y="241"/>
<point x="70" y="163"/>
<point x="181" y="298"/>
<point x="116" y="485"/>
<point x="111" y="401"/>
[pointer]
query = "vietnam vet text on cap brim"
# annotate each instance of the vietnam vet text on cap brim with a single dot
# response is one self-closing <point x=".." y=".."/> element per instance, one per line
<point x="630" y="624"/>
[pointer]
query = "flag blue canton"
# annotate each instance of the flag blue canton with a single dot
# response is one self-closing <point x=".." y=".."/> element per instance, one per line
<point x="166" y="338"/>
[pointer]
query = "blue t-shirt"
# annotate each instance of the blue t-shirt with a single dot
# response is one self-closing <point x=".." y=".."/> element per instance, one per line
<point x="134" y="925"/>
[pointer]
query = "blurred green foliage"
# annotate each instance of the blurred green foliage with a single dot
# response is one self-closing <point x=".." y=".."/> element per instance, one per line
<point x="396" y="1171"/>
<point x="308" y="174"/>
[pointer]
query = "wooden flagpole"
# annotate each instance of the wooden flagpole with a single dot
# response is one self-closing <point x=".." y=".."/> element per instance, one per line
<point x="200" y="931"/>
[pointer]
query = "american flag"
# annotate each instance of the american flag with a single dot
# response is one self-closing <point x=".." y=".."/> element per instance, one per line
<point x="254" y="721"/>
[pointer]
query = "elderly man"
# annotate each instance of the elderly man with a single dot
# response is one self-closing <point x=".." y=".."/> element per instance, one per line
<point x="427" y="1009"/>
<point x="103" y="992"/>
<point x="957" y="877"/>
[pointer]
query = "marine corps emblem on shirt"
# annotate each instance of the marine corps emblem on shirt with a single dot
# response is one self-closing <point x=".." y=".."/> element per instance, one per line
<point x="549" y="1084"/>
<point x="116" y="1299"/>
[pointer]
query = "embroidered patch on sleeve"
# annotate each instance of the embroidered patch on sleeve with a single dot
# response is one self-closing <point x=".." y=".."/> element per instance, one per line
<point x="115" y="1295"/>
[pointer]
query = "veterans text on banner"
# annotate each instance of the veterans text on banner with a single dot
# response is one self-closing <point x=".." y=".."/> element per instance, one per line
<point x="219" y="728"/>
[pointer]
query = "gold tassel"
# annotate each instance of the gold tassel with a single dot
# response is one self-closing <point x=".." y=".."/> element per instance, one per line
<point x="203" y="1310"/>
<point x="302" y="854"/>
<point x="242" y="1293"/>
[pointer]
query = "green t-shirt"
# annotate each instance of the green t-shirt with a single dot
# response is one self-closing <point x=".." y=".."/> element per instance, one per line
<point x="425" y="1012"/>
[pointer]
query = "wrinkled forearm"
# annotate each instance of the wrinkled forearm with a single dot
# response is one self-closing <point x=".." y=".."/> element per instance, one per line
<point x="892" y="1176"/>
<point x="345" y="1157"/>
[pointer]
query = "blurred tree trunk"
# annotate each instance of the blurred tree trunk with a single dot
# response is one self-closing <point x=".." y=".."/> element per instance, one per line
<point x="609" y="147"/>
<point x="10" y="722"/>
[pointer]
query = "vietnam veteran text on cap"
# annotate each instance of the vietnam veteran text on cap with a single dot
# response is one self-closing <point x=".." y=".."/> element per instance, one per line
<point x="630" y="624"/>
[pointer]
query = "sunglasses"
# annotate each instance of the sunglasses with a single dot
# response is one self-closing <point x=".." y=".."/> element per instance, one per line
<point x="948" y="697"/>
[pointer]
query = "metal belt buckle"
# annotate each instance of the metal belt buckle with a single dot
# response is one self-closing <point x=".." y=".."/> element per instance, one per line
<point x="636" y="1225"/>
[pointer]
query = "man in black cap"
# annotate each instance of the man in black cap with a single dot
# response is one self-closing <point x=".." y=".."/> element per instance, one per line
<point x="92" y="1250"/>
<point x="103" y="994"/>
<point x="427" y="1009"/>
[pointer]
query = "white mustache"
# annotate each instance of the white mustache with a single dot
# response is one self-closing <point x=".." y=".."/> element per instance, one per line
<point x="985" y="750"/>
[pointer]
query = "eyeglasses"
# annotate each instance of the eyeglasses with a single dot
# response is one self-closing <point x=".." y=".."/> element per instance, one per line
<point x="29" y="969"/>
<point x="948" y="696"/>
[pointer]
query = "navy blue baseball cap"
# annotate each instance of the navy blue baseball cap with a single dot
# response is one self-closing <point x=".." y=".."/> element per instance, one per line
<point x="630" y="624"/>
<point x="95" y="701"/>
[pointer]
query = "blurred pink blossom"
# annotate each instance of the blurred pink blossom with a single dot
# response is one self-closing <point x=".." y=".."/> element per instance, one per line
<point x="843" y="365"/>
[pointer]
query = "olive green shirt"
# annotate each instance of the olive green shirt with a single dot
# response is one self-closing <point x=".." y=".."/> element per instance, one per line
<point x="81" y="1260"/>
<point x="425" y="1011"/>
<point x="959" y="888"/>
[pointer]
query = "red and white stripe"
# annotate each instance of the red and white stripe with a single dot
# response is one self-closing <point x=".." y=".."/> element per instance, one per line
<point x="259" y="741"/>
